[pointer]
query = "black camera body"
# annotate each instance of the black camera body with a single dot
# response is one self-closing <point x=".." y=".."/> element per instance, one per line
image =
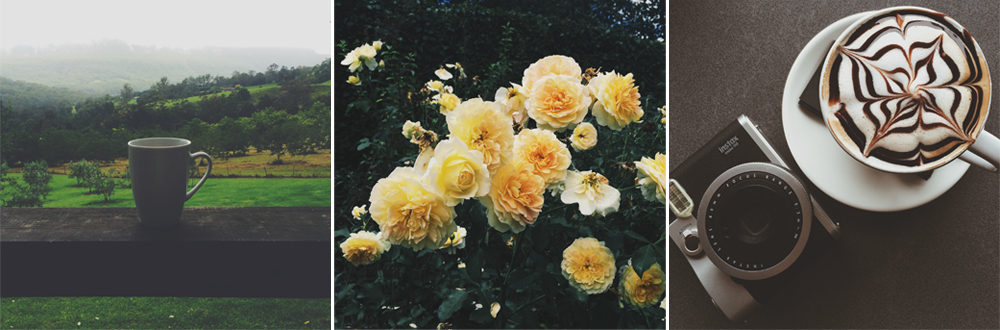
<point x="743" y="220"/>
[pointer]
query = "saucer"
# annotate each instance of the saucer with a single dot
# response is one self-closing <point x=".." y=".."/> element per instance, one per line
<point x="829" y="167"/>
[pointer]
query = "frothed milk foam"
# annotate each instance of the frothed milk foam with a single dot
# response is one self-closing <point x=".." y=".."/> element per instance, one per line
<point x="909" y="87"/>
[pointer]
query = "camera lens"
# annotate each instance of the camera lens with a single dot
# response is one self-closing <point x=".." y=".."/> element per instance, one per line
<point x="754" y="221"/>
<point x="750" y="220"/>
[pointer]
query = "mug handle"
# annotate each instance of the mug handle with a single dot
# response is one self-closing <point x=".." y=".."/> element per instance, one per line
<point x="986" y="146"/>
<point x="207" y="172"/>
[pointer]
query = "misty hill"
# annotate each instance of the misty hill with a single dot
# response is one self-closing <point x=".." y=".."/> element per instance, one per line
<point x="105" y="66"/>
<point x="23" y="95"/>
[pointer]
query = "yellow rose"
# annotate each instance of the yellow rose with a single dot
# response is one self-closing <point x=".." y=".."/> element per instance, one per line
<point x="592" y="192"/>
<point x="363" y="248"/>
<point x="358" y="211"/>
<point x="448" y="102"/>
<point x="435" y="85"/>
<point x="409" y="213"/>
<point x="542" y="150"/>
<point x="584" y="137"/>
<point x="588" y="265"/>
<point x="365" y="53"/>
<point x="553" y="64"/>
<point x="617" y="102"/>
<point x="377" y="45"/>
<point x="652" y="177"/>
<point x="512" y="101"/>
<point x="353" y="80"/>
<point x="644" y="291"/>
<point x="515" y="198"/>
<point x="557" y="102"/>
<point x="352" y="61"/>
<point x="457" y="173"/>
<point x="483" y="126"/>
<point x="381" y="64"/>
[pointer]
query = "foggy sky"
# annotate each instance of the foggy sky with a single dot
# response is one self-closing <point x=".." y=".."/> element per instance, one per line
<point x="187" y="24"/>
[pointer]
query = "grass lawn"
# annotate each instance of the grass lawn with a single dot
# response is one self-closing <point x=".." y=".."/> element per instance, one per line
<point x="163" y="313"/>
<point x="215" y="192"/>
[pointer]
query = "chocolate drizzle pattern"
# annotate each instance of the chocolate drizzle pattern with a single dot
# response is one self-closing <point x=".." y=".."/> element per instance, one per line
<point x="909" y="87"/>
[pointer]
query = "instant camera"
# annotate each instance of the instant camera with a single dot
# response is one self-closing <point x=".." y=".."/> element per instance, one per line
<point x="743" y="220"/>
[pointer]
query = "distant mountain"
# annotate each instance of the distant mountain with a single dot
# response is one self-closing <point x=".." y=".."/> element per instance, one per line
<point x="24" y="95"/>
<point x="104" y="67"/>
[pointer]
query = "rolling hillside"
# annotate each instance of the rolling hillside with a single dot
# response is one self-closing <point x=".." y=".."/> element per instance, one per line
<point x="104" y="67"/>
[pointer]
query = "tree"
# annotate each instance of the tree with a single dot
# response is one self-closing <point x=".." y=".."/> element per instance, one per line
<point x="162" y="85"/>
<point x="271" y="75"/>
<point x="126" y="93"/>
<point x="36" y="175"/>
<point x="76" y="170"/>
<point x="36" y="188"/>
<point x="294" y="95"/>
<point x="16" y="194"/>
<point x="202" y="136"/>
<point x="105" y="185"/>
<point x="232" y="137"/>
<point x="87" y="174"/>
<point x="10" y="134"/>
<point x="316" y="120"/>
<point x="277" y="132"/>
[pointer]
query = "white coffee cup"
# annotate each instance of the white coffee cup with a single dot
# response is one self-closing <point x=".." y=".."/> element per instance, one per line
<point x="158" y="167"/>
<point x="907" y="90"/>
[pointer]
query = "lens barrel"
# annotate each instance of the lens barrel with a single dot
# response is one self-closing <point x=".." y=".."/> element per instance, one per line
<point x="755" y="220"/>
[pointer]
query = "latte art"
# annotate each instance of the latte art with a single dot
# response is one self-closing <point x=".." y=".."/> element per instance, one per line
<point x="909" y="87"/>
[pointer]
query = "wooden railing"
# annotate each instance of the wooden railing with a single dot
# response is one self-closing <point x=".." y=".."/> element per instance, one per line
<point x="214" y="252"/>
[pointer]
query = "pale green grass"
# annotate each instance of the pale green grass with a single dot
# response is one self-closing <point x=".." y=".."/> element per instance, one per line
<point x="215" y="192"/>
<point x="163" y="313"/>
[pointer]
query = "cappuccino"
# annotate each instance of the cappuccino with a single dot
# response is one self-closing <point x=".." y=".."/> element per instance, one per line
<point x="909" y="87"/>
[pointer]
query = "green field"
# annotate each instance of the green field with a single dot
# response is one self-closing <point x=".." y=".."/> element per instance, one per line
<point x="163" y="313"/>
<point x="215" y="192"/>
<point x="255" y="92"/>
<point x="254" y="164"/>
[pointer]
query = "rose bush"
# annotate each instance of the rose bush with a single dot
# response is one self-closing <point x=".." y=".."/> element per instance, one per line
<point x="546" y="242"/>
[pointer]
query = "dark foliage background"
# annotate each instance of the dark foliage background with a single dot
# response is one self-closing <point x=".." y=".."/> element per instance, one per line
<point x="494" y="41"/>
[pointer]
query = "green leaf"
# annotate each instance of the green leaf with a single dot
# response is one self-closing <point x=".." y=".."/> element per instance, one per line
<point x="636" y="236"/>
<point x="451" y="304"/>
<point x="524" y="282"/>
<point x="364" y="145"/>
<point x="416" y="311"/>
<point x="341" y="233"/>
<point x="643" y="258"/>
<point x="344" y="291"/>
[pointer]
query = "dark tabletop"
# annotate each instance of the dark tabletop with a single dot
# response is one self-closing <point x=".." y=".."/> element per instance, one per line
<point x="934" y="266"/>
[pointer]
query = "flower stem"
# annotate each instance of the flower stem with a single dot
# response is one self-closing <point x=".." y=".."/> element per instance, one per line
<point x="642" y="311"/>
<point x="513" y="257"/>
<point x="560" y="207"/>
<point x="627" y="188"/>
<point x="528" y="303"/>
